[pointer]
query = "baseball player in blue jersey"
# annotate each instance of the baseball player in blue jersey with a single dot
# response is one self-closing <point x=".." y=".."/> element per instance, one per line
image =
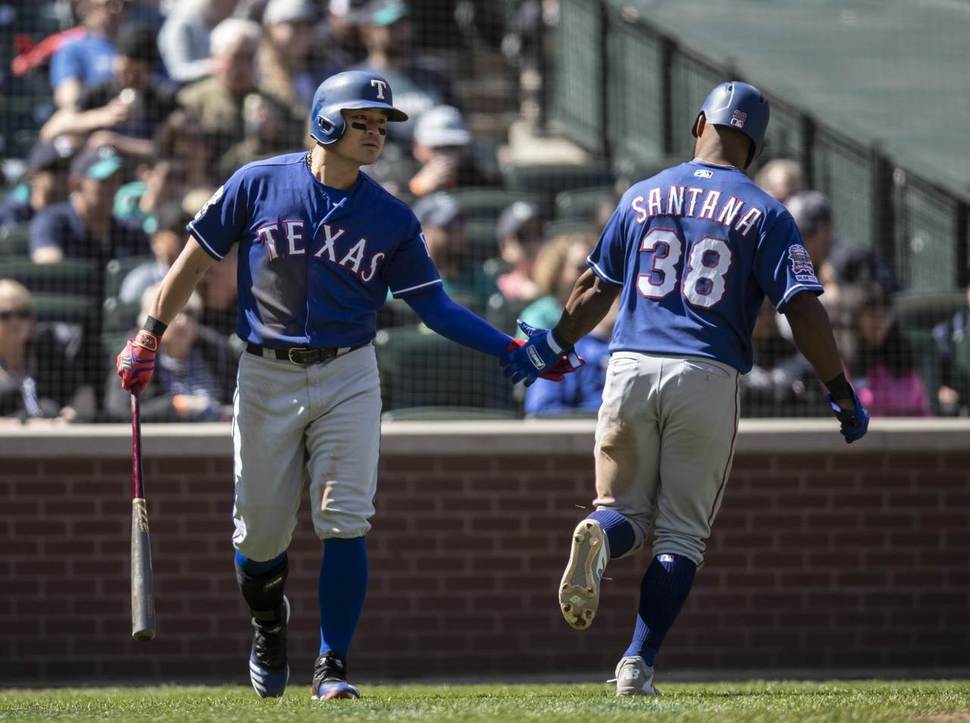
<point x="691" y="253"/>
<point x="320" y="244"/>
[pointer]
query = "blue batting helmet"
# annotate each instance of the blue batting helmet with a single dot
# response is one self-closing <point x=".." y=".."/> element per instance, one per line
<point x="351" y="89"/>
<point x="740" y="106"/>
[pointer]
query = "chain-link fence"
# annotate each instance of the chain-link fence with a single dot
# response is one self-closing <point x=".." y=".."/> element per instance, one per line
<point x="119" y="120"/>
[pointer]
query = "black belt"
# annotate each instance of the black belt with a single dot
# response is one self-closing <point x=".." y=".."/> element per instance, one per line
<point x="303" y="355"/>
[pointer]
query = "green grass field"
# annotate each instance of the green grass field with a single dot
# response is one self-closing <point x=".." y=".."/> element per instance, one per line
<point x="748" y="701"/>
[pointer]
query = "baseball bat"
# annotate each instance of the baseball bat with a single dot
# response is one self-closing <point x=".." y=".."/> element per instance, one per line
<point x="142" y="590"/>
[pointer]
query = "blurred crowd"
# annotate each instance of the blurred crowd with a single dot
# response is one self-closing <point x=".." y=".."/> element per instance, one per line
<point x="149" y="106"/>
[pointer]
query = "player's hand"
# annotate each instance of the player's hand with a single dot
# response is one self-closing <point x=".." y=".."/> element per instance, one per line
<point x="136" y="362"/>
<point x="855" y="422"/>
<point x="515" y="344"/>
<point x="542" y="355"/>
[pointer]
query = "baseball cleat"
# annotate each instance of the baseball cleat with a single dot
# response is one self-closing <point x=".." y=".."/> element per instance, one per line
<point x="634" y="677"/>
<point x="579" y="590"/>
<point x="268" y="669"/>
<point x="330" y="679"/>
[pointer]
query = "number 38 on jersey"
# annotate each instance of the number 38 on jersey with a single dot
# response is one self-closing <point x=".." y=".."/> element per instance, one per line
<point x="707" y="263"/>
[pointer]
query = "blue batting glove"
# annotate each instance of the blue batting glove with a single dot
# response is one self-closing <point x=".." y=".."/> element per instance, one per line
<point x="535" y="358"/>
<point x="855" y="424"/>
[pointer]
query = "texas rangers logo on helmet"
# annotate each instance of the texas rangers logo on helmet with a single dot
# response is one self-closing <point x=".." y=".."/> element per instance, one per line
<point x="738" y="118"/>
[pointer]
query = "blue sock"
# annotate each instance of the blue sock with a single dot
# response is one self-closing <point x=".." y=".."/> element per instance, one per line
<point x="662" y="593"/>
<point x="254" y="568"/>
<point x="618" y="531"/>
<point x="343" y="586"/>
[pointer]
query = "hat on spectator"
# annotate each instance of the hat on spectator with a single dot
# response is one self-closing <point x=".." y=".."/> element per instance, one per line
<point x="50" y="155"/>
<point x="437" y="209"/>
<point x="809" y="209"/>
<point x="96" y="163"/>
<point x="514" y="217"/>
<point x="443" y="125"/>
<point x="138" y="42"/>
<point x="384" y="12"/>
<point x="289" y="11"/>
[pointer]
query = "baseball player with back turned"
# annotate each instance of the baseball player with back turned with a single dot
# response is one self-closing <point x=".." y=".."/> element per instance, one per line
<point x="691" y="253"/>
<point x="320" y="245"/>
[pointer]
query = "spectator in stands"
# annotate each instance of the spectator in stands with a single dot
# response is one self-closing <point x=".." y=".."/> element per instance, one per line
<point x="781" y="179"/>
<point x="781" y="382"/>
<point x="444" y="231"/>
<point x="83" y="226"/>
<point x="181" y="139"/>
<point x="127" y="108"/>
<point x="87" y="59"/>
<point x="419" y="82"/>
<point x="952" y="341"/>
<point x="44" y="183"/>
<point x="837" y="262"/>
<point x="266" y="135"/>
<point x="217" y="102"/>
<point x="440" y="148"/>
<point x="157" y="184"/>
<point x="288" y="66"/>
<point x="186" y="385"/>
<point x="167" y="240"/>
<point x="39" y="376"/>
<point x="184" y="40"/>
<point x="341" y="33"/>
<point x="581" y="392"/>
<point x="560" y="262"/>
<point x="520" y="236"/>
<point x="884" y="366"/>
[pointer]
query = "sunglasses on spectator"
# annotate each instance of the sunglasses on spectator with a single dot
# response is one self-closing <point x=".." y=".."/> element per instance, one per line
<point x="8" y="314"/>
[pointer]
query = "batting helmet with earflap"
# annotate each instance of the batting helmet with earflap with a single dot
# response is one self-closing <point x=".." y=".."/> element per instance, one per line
<point x="351" y="89"/>
<point x="740" y="106"/>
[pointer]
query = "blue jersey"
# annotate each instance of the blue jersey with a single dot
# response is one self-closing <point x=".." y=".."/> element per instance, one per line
<point x="696" y="249"/>
<point x="315" y="263"/>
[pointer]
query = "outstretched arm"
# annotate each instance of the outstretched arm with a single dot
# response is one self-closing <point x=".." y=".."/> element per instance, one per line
<point x="136" y="362"/>
<point x="453" y="321"/>
<point x="812" y="333"/>
<point x="588" y="303"/>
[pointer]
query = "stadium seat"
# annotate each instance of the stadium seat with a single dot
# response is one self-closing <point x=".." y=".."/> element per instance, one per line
<point x="551" y="178"/>
<point x="582" y="203"/>
<point x="69" y="308"/>
<point x="419" y="368"/>
<point x="437" y="414"/>
<point x="116" y="271"/>
<point x="118" y="315"/>
<point x="15" y="240"/>
<point x="481" y="239"/>
<point x="567" y="225"/>
<point x="502" y="313"/>
<point x="72" y="276"/>
<point x="488" y="203"/>
<point x="924" y="311"/>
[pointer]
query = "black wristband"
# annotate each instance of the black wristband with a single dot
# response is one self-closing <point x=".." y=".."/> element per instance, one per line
<point x="566" y="348"/>
<point x="840" y="388"/>
<point x="155" y="326"/>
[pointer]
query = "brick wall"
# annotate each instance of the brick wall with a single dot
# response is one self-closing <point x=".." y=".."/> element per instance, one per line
<point x="818" y="560"/>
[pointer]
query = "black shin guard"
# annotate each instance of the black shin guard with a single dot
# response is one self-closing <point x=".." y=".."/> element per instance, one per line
<point x="263" y="593"/>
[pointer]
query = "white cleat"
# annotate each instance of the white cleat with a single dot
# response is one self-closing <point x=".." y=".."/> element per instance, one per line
<point x="634" y="677"/>
<point x="579" y="591"/>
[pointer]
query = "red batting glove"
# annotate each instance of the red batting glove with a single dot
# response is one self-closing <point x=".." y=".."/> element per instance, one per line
<point x="136" y="362"/>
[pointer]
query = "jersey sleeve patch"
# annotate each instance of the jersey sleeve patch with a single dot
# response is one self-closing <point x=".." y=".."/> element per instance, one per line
<point x="801" y="264"/>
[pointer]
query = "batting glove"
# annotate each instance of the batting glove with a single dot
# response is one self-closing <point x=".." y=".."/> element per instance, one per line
<point x="854" y="423"/>
<point x="136" y="362"/>
<point x="542" y="355"/>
